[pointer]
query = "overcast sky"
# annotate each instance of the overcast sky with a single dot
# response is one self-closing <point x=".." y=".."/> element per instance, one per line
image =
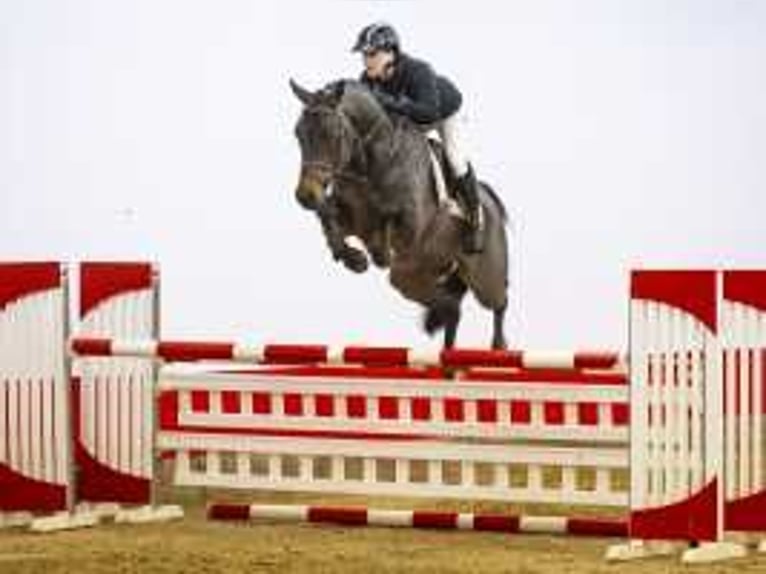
<point x="620" y="133"/>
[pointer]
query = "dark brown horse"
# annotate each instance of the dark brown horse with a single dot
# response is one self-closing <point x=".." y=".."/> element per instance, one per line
<point x="370" y="176"/>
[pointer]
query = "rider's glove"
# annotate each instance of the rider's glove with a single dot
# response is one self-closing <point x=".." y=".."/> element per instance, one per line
<point x="391" y="103"/>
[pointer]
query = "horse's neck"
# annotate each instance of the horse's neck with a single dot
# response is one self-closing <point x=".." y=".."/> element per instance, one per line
<point x="395" y="159"/>
<point x="402" y="158"/>
<point x="372" y="125"/>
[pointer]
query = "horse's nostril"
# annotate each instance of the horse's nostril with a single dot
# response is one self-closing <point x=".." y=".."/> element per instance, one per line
<point x="309" y="193"/>
<point x="304" y="199"/>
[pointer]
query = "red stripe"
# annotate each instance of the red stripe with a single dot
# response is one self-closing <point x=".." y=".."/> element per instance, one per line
<point x="342" y="515"/>
<point x="287" y="354"/>
<point x="228" y="512"/>
<point x="92" y="347"/>
<point x="194" y="351"/>
<point x="434" y="519"/>
<point x="496" y="523"/>
<point x="19" y="280"/>
<point x="376" y="356"/>
<point x="593" y="360"/>
<point x="102" y="281"/>
<point x="597" y="527"/>
<point x="693" y="518"/>
<point x="481" y="357"/>
<point x="695" y="292"/>
<point x="747" y="287"/>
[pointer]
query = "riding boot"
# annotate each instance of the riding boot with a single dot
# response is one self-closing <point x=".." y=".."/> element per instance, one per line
<point x="468" y="188"/>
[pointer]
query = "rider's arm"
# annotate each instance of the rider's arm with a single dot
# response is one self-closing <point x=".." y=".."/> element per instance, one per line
<point x="421" y="102"/>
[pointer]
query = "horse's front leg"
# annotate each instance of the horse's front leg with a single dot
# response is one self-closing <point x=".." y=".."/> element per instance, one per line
<point x="335" y="233"/>
<point x="379" y="244"/>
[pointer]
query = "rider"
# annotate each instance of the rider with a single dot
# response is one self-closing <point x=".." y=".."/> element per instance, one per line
<point x="410" y="87"/>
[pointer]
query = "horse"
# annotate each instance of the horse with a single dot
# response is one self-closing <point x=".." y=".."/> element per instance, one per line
<point x="370" y="175"/>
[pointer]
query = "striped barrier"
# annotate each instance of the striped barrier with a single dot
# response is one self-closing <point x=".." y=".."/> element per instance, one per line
<point x="186" y="351"/>
<point x="360" y="516"/>
<point x="689" y="428"/>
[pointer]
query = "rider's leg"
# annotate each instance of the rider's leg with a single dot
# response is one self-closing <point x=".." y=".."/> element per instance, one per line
<point x="468" y="187"/>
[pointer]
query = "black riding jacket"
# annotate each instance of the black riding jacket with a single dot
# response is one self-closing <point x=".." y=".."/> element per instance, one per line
<point x="416" y="91"/>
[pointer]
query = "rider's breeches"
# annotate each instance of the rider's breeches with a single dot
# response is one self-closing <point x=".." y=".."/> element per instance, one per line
<point x="450" y="133"/>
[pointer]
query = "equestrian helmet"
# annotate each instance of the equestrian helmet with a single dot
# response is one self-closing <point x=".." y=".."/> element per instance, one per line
<point x="377" y="36"/>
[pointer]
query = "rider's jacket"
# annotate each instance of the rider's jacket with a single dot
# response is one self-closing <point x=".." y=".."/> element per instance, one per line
<point x="414" y="90"/>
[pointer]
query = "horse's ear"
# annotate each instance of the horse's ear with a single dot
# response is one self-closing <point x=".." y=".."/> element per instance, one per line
<point x="339" y="88"/>
<point x="331" y="94"/>
<point x="305" y="96"/>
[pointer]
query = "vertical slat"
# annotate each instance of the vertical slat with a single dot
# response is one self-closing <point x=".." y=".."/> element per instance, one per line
<point x="569" y="482"/>
<point x="658" y="362"/>
<point x="213" y="464"/>
<point x="713" y="411"/>
<point x="402" y="470"/>
<point x="504" y="415"/>
<point x="468" y="473"/>
<point x="124" y="405"/>
<point x="337" y="469"/>
<point x="275" y="468"/>
<point x="571" y="415"/>
<point x="369" y="468"/>
<point x="534" y="479"/>
<point x="501" y="476"/>
<point x="682" y="408"/>
<point x="182" y="467"/>
<point x="243" y="466"/>
<point x="697" y="439"/>
<point x="639" y="405"/>
<point x="603" y="481"/>
<point x="759" y="436"/>
<point x="215" y="402"/>
<point x="435" y="473"/>
<point x="743" y="382"/>
<point x="305" y="469"/>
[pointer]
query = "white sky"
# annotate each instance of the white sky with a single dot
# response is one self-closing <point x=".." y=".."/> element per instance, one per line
<point x="620" y="134"/>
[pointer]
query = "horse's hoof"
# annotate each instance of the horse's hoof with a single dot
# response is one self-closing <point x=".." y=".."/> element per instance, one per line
<point x="355" y="260"/>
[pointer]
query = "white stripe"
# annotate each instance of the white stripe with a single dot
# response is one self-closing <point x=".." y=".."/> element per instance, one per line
<point x="548" y="360"/>
<point x="280" y="512"/>
<point x="248" y="353"/>
<point x="134" y="348"/>
<point x="419" y="357"/>
<point x="464" y="521"/>
<point x="543" y="524"/>
<point x="399" y="518"/>
<point x="335" y="355"/>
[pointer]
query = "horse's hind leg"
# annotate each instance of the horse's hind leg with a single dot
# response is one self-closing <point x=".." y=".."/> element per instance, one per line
<point x="498" y="331"/>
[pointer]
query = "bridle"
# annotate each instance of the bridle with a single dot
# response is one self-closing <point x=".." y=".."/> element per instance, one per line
<point x="358" y="141"/>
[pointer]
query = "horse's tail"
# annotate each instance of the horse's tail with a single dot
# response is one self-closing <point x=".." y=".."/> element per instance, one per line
<point x="496" y="198"/>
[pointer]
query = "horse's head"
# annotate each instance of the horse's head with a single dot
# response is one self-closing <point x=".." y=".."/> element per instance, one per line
<point x="336" y="123"/>
<point x="326" y="140"/>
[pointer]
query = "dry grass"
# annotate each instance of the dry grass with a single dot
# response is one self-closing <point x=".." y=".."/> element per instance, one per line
<point x="195" y="545"/>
